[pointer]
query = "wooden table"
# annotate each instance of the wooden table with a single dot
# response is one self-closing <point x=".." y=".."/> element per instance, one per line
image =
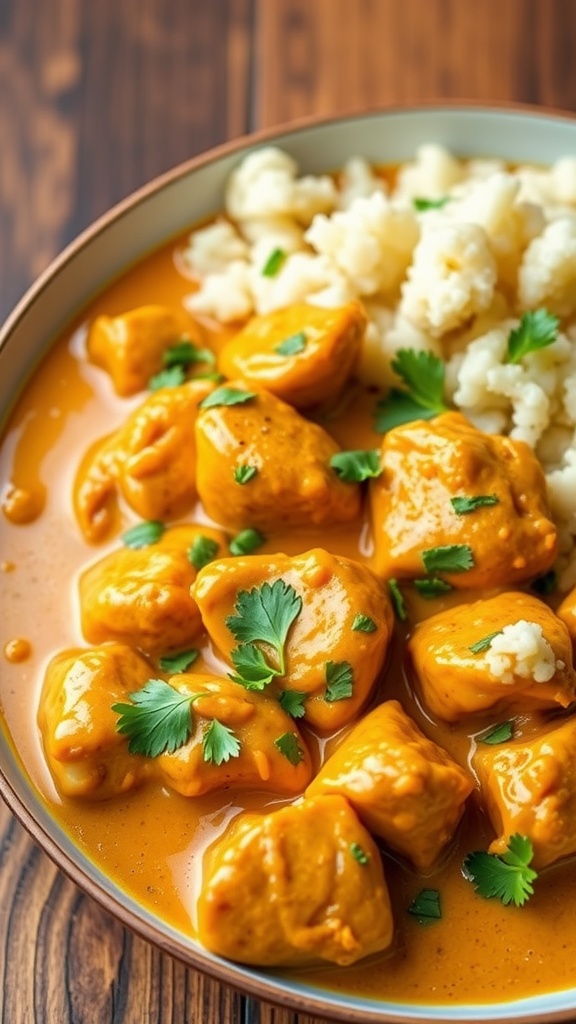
<point x="97" y="97"/>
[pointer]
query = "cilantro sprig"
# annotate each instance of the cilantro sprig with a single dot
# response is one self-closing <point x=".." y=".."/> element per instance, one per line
<point x="507" y="876"/>
<point x="339" y="681"/>
<point x="226" y="396"/>
<point x="263" y="615"/>
<point x="537" y="329"/>
<point x="484" y="643"/>
<point x="426" y="906"/>
<point x="292" y="346"/>
<point x="357" y="466"/>
<point x="159" y="720"/>
<point x="448" y="558"/>
<point x="464" y="505"/>
<point x="289" y="746"/>
<point x="143" y="534"/>
<point x="423" y="394"/>
<point x="500" y="733"/>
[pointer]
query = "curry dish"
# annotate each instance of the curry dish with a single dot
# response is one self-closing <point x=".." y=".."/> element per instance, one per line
<point x="293" y="682"/>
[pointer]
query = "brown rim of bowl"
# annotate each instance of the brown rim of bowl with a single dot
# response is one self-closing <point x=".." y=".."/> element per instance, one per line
<point x="227" y="972"/>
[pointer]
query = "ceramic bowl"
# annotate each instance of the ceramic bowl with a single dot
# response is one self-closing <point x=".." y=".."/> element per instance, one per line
<point x="162" y="209"/>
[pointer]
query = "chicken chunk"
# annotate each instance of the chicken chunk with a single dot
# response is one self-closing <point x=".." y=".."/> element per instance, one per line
<point x="143" y="596"/>
<point x="86" y="755"/>
<point x="297" y="886"/>
<point x="529" y="787"/>
<point x="130" y="347"/>
<point x="302" y="354"/>
<point x="337" y="643"/>
<point x="567" y="612"/>
<point x="263" y="731"/>
<point x="507" y="537"/>
<point x="150" y="461"/>
<point x="405" y="788"/>
<point x="510" y="650"/>
<point x="293" y="484"/>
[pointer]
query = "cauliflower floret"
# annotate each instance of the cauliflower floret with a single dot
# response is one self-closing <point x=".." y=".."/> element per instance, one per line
<point x="266" y="185"/>
<point x="370" y="243"/>
<point x="521" y="649"/>
<point x="212" y="249"/>
<point x="452" y="277"/>
<point x="385" y="334"/>
<point x="278" y="232"/>
<point x="301" y="278"/>
<point x="226" y="296"/>
<point x="434" y="172"/>
<point x="563" y="177"/>
<point x="547" y="275"/>
<point x="562" y="489"/>
<point x="358" y="181"/>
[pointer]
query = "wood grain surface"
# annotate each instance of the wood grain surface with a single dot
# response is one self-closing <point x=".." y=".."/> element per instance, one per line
<point x="97" y="97"/>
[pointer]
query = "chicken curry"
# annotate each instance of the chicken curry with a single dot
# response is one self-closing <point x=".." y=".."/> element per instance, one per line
<point x="293" y="683"/>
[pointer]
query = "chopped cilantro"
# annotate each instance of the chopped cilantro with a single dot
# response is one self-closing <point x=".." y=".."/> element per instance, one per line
<point x="500" y="733"/>
<point x="464" y="506"/>
<point x="242" y="474"/>
<point x="292" y="346"/>
<point x="339" y="680"/>
<point x="274" y="263"/>
<point x="292" y="702"/>
<point x="448" y="558"/>
<point x="426" y="906"/>
<point x="265" y="614"/>
<point x="398" y="602"/>
<point x="359" y="854"/>
<point x="184" y="353"/>
<point x="253" y="670"/>
<point x="172" y="377"/>
<point x="203" y="550"/>
<point x="175" y="663"/>
<point x="432" y="587"/>
<point x="356" y="466"/>
<point x="484" y="643"/>
<point x="364" y="624"/>
<point x="246" y="541"/>
<point x="421" y="204"/>
<point x="507" y="876"/>
<point x="226" y="396"/>
<point x="219" y="743"/>
<point x="289" y="746"/>
<point x="538" y="328"/>
<point x="423" y="397"/>
<point x="143" y="534"/>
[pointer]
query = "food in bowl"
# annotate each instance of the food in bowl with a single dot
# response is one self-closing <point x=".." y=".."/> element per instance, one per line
<point x="307" y="691"/>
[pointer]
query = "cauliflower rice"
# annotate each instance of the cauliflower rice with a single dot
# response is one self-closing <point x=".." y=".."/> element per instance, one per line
<point x="453" y="278"/>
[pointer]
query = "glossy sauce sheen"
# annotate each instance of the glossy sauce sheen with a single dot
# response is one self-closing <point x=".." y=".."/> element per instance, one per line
<point x="151" y="843"/>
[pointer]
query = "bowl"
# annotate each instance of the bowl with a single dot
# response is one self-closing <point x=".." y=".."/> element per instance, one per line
<point x="190" y="193"/>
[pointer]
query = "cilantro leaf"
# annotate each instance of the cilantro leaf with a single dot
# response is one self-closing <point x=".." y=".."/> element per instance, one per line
<point x="219" y="743"/>
<point x="339" y="679"/>
<point x="423" y="397"/>
<point x="545" y="584"/>
<point x="292" y="701"/>
<point x="464" y="506"/>
<point x="359" y="854"/>
<point x="242" y="474"/>
<point x="432" y="587"/>
<point x="143" y="534"/>
<point x="289" y="746"/>
<point x="398" y="602"/>
<point x="364" y="624"/>
<point x="448" y="558"/>
<point x="184" y="353"/>
<point x="203" y="550"/>
<point x="356" y="466"/>
<point x="226" y="396"/>
<point x="507" y="876"/>
<point x="538" y="328"/>
<point x="172" y="377"/>
<point x="484" y="643"/>
<point x="274" y="263"/>
<point x="292" y="346"/>
<point x="426" y="906"/>
<point x="421" y="204"/>
<point x="246" y="541"/>
<point x="157" y="721"/>
<point x="266" y="613"/>
<point x="254" y="672"/>
<point x="178" y="662"/>
<point x="500" y="733"/>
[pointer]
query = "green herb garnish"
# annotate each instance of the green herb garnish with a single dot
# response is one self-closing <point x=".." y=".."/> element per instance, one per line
<point x="253" y="670"/>
<point x="339" y="680"/>
<point x="226" y="396"/>
<point x="500" y="733"/>
<point x="426" y="906"/>
<point x="364" y="624"/>
<point x="274" y="263"/>
<point x="423" y="397"/>
<point x="184" y="353"/>
<point x="507" y="876"/>
<point x="143" y="534"/>
<point x="355" y="466"/>
<point x="432" y="587"/>
<point x="484" y="643"/>
<point x="292" y="702"/>
<point x="242" y="474"/>
<point x="359" y="854"/>
<point x="448" y="558"/>
<point x="265" y="614"/>
<point x="175" y="663"/>
<point x="203" y="550"/>
<point x="464" y="506"/>
<point x="173" y="377"/>
<point x="289" y="746"/>
<point x="219" y="743"/>
<point x="398" y="603"/>
<point x="421" y="204"/>
<point x="246" y="541"/>
<point x="292" y="346"/>
<point x="538" y="328"/>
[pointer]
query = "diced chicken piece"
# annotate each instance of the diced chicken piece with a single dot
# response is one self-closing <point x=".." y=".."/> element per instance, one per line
<point x="426" y="464"/>
<point x="508" y="651"/>
<point x="262" y="729"/>
<point x="293" y="485"/>
<point x="297" y="886"/>
<point x="86" y="755"/>
<point x="302" y="354"/>
<point x="130" y="347"/>
<point x="567" y="612"/>
<point x="405" y="788"/>
<point x="150" y="461"/>
<point x="143" y="596"/>
<point x="329" y="657"/>
<point x="529" y="787"/>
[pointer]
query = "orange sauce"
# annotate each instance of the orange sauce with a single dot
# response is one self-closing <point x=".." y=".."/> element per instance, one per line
<point x="151" y="842"/>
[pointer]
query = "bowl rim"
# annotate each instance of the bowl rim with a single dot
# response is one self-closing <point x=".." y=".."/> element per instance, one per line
<point x="255" y="981"/>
